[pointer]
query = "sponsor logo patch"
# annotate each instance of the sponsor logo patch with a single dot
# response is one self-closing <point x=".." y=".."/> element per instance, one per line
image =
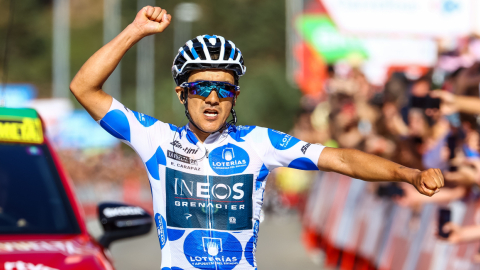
<point x="212" y="250"/>
<point x="281" y="140"/>
<point x="161" y="229"/>
<point x="216" y="202"/>
<point x="187" y="150"/>
<point x="229" y="159"/>
<point x="305" y="147"/>
<point x="181" y="158"/>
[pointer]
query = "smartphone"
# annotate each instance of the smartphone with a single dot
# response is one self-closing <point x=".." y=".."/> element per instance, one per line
<point x="444" y="216"/>
<point x="389" y="191"/>
<point x="425" y="102"/>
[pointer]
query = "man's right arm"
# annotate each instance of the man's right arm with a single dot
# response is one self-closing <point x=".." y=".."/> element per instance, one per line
<point x="87" y="85"/>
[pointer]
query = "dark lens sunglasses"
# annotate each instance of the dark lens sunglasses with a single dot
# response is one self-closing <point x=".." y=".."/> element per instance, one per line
<point x="204" y="88"/>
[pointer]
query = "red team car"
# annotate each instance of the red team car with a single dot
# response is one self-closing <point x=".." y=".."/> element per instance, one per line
<point x="42" y="226"/>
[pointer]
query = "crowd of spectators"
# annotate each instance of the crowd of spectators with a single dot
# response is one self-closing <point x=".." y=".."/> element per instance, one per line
<point x="427" y="121"/>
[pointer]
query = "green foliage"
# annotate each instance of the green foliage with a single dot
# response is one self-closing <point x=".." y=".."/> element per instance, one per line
<point x="256" y="27"/>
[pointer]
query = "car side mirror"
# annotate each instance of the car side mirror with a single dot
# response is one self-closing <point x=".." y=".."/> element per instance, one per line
<point x="122" y="221"/>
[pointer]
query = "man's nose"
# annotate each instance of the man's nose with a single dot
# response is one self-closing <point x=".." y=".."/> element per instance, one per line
<point x="212" y="98"/>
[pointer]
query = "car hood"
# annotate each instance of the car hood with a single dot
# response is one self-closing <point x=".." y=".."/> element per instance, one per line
<point x="51" y="254"/>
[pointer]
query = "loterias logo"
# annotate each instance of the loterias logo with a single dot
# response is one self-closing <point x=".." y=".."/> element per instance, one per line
<point x="280" y="140"/>
<point x="216" y="202"/>
<point x="229" y="159"/>
<point x="161" y="229"/>
<point x="212" y="250"/>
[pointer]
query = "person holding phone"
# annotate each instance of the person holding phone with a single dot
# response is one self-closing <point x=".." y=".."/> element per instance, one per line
<point x="451" y="103"/>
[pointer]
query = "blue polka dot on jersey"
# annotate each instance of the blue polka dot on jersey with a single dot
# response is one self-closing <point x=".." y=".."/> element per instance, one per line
<point x="173" y="127"/>
<point x="240" y="132"/>
<point x="175" y="234"/>
<point x="262" y="175"/>
<point x="303" y="164"/>
<point x="280" y="140"/>
<point x="144" y="119"/>
<point x="116" y="123"/>
<point x="154" y="161"/>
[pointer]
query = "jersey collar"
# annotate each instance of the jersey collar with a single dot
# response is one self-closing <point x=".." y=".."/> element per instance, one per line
<point x="214" y="138"/>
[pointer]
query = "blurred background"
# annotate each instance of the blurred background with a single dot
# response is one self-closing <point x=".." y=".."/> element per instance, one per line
<point x="343" y="73"/>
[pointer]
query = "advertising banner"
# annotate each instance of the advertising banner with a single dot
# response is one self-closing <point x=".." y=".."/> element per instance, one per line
<point x="434" y="18"/>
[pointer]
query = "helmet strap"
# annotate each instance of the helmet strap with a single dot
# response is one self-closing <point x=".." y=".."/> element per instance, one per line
<point x="189" y="117"/>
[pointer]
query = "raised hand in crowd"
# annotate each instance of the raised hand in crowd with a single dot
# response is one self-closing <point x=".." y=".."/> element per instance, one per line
<point x="459" y="234"/>
<point x="411" y="198"/>
<point x="451" y="103"/>
<point x="467" y="174"/>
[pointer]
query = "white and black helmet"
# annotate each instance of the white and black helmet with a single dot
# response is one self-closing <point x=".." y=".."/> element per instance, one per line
<point x="207" y="52"/>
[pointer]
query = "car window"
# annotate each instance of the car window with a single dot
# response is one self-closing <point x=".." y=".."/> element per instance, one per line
<point x="32" y="197"/>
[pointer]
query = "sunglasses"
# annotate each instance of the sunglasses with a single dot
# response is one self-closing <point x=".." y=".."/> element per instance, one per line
<point x="204" y="88"/>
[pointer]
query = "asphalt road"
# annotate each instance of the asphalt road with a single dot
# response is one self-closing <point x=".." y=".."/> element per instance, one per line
<point x="279" y="247"/>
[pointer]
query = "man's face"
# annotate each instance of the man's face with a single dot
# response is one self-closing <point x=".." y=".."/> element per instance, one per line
<point x="209" y="113"/>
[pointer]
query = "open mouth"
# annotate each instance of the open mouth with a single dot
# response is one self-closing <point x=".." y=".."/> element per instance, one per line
<point x="210" y="113"/>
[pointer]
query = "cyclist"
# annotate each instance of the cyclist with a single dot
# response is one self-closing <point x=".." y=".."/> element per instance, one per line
<point x="208" y="177"/>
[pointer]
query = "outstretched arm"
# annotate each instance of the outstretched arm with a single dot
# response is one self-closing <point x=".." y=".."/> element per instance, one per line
<point x="86" y="86"/>
<point x="360" y="165"/>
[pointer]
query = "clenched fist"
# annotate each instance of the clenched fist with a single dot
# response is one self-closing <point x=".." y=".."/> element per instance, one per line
<point x="152" y="20"/>
<point x="428" y="182"/>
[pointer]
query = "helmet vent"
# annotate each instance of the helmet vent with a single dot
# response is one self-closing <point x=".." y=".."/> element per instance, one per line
<point x="214" y="53"/>
<point x="188" y="52"/>
<point x="228" y="51"/>
<point x="236" y="54"/>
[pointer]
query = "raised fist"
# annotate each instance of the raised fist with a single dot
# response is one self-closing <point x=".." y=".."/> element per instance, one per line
<point x="429" y="182"/>
<point x="152" y="20"/>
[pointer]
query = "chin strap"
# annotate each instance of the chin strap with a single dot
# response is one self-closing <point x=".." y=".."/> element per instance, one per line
<point x="226" y="125"/>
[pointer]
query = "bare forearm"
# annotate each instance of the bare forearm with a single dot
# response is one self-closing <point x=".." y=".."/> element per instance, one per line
<point x="360" y="165"/>
<point x="87" y="84"/>
<point x="368" y="167"/>
<point x="469" y="105"/>
<point x="100" y="65"/>
<point x="470" y="233"/>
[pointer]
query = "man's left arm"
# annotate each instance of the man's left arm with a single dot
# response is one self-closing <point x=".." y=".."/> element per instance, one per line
<point x="360" y="165"/>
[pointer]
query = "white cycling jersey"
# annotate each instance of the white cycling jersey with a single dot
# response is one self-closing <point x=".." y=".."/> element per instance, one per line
<point x="207" y="196"/>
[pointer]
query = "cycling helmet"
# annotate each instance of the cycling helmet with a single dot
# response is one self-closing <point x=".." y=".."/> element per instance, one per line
<point x="207" y="52"/>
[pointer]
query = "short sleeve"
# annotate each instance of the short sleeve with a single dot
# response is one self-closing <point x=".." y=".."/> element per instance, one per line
<point x="284" y="150"/>
<point x="142" y="132"/>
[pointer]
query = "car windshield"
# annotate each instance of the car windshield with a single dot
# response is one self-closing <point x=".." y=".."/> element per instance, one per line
<point x="32" y="197"/>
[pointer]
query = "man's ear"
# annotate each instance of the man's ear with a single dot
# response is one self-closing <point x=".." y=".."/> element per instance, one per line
<point x="235" y="97"/>
<point x="180" y="94"/>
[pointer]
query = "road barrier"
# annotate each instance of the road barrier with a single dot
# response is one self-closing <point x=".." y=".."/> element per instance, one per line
<point x="357" y="230"/>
